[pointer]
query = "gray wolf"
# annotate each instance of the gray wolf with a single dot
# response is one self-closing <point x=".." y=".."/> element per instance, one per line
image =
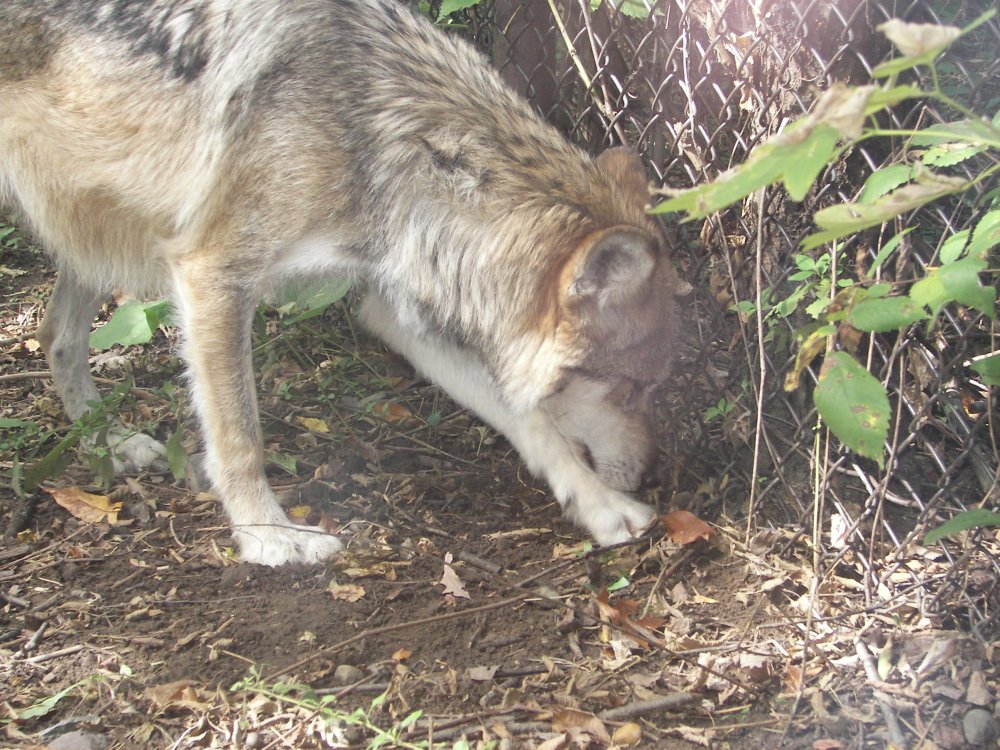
<point x="212" y="150"/>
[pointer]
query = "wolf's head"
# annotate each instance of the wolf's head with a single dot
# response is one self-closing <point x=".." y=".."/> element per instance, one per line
<point x="618" y="310"/>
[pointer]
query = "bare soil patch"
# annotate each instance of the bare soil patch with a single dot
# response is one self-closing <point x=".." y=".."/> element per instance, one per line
<point x="134" y="633"/>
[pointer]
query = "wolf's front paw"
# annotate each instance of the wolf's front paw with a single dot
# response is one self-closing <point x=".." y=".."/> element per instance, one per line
<point x="612" y="517"/>
<point x="277" y="545"/>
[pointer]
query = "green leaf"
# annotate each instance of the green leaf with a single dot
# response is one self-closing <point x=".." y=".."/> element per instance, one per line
<point x="883" y="180"/>
<point x="854" y="405"/>
<point x="797" y="156"/>
<point x="132" y="323"/>
<point x="955" y="282"/>
<point x="886" y="250"/>
<point x="818" y="306"/>
<point x="15" y="424"/>
<point x="44" y="706"/>
<point x="887" y="314"/>
<point x="950" y="154"/>
<point x="159" y="313"/>
<point x="801" y="164"/>
<point x="951" y="248"/>
<point x="284" y="461"/>
<point x="745" y="309"/>
<point x="964" y="132"/>
<point x="848" y="218"/>
<point x="964" y="521"/>
<point x="986" y="235"/>
<point x="622" y="583"/>
<point x="631" y="8"/>
<point x="988" y="367"/>
<point x="51" y="464"/>
<point x="698" y="202"/>
<point x="411" y="719"/>
<point x="177" y="457"/>
<point x="311" y="300"/>
<point x="454" y="6"/>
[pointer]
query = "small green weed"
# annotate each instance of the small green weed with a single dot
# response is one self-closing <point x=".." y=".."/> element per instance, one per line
<point x="300" y="696"/>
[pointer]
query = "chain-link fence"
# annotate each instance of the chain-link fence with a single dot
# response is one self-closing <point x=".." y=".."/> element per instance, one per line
<point x="694" y="85"/>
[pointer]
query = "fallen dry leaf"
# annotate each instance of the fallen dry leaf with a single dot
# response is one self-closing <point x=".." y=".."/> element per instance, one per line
<point x="684" y="527"/>
<point x="560" y="550"/>
<point x="402" y="654"/>
<point x="314" y="425"/>
<point x="559" y="742"/>
<point x="636" y="632"/>
<point x="299" y="513"/>
<point x="569" y="719"/>
<point x="452" y="583"/>
<point x="391" y="411"/>
<point x="178" y="694"/>
<point x="481" y="674"/>
<point x="378" y="570"/>
<point x="346" y="592"/>
<point x="88" y="508"/>
<point x="627" y="734"/>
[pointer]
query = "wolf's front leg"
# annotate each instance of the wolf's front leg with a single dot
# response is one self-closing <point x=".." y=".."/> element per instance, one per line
<point x="216" y="313"/>
<point x="610" y="516"/>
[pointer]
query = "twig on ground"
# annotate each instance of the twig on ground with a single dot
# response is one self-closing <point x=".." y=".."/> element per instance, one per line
<point x="68" y="651"/>
<point x="451" y="730"/>
<point x="641" y="708"/>
<point x="140" y="393"/>
<point x="15" y="600"/>
<point x="478" y="562"/>
<point x="13" y="377"/>
<point x="35" y="639"/>
<point x="896" y="736"/>
<point x="17" y="339"/>
<point x="665" y="572"/>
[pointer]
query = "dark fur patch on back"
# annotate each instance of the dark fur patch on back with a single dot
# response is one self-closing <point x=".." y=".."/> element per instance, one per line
<point x="26" y="45"/>
<point x="172" y="32"/>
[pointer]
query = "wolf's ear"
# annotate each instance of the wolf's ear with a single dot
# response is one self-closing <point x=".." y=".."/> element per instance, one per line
<point x="611" y="266"/>
<point x="624" y="166"/>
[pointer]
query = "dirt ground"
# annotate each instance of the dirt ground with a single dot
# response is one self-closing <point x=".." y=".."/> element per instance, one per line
<point x="464" y="613"/>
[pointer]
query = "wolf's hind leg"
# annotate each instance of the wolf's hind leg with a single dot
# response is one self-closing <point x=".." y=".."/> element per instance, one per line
<point x="64" y="334"/>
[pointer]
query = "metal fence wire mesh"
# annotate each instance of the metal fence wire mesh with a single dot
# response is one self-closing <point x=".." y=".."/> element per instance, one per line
<point x="694" y="85"/>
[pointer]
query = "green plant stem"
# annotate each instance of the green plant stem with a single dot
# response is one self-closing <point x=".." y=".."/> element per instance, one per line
<point x="934" y="77"/>
<point x="578" y="63"/>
